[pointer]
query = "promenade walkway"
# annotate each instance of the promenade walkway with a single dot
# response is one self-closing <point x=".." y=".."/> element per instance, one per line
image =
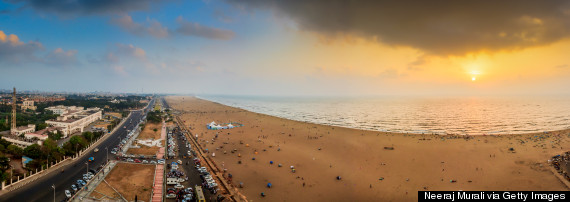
<point x="157" y="190"/>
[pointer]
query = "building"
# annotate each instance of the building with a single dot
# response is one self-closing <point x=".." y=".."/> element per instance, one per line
<point x="30" y="128"/>
<point x="42" y="134"/>
<point x="73" y="119"/>
<point x="28" y="104"/>
<point x="61" y="110"/>
<point x="20" y="142"/>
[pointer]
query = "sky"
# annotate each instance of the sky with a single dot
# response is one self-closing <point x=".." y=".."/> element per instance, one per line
<point x="280" y="47"/>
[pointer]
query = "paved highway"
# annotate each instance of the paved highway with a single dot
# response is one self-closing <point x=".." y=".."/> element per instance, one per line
<point x="41" y="190"/>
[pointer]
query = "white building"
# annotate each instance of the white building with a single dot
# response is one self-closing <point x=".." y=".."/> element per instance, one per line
<point x="28" y="104"/>
<point x="60" y="109"/>
<point x="74" y="119"/>
<point x="30" y="128"/>
<point x="20" y="142"/>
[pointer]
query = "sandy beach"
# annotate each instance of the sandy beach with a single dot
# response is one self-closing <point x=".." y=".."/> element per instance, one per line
<point x="374" y="166"/>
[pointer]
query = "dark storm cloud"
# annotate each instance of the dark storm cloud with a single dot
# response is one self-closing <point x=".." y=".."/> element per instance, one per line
<point x="436" y="26"/>
<point x="86" y="6"/>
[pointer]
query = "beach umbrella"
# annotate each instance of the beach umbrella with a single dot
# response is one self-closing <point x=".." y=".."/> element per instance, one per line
<point x="271" y="162"/>
<point x="269" y="185"/>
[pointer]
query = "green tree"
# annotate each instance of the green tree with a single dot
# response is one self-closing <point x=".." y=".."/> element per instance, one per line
<point x="75" y="143"/>
<point x="88" y="136"/>
<point x="33" y="151"/>
<point x="15" y="150"/>
<point x="4" y="142"/>
<point x="3" y="175"/>
<point x="55" y="136"/>
<point x="41" y="126"/>
<point x="4" y="162"/>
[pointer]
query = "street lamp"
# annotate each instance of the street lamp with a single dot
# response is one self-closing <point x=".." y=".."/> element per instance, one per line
<point x="53" y="186"/>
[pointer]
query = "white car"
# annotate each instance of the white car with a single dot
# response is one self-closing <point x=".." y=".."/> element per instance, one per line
<point x="171" y="196"/>
<point x="67" y="193"/>
<point x="179" y="186"/>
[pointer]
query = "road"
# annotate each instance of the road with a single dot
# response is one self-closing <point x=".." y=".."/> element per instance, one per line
<point x="41" y="190"/>
<point x="189" y="170"/>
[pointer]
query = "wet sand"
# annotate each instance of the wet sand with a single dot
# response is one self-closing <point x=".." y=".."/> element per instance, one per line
<point x="369" y="172"/>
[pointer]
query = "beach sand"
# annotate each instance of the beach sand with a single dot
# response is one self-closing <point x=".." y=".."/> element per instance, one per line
<point x="320" y="153"/>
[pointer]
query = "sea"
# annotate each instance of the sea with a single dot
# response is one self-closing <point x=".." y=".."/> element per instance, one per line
<point x="465" y="115"/>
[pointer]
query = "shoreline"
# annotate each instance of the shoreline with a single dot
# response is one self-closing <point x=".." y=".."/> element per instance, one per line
<point x="394" y="132"/>
<point x="369" y="171"/>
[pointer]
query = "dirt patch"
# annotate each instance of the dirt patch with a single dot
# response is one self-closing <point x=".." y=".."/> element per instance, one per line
<point x="149" y="133"/>
<point x="114" y="114"/>
<point x="144" y="150"/>
<point x="129" y="180"/>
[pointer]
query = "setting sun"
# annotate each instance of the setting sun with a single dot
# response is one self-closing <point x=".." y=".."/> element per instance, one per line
<point x="473" y="78"/>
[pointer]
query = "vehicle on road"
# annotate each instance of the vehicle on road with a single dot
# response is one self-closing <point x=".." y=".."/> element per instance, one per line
<point x="96" y="150"/>
<point x="199" y="194"/>
<point x="67" y="193"/>
<point x="91" y="159"/>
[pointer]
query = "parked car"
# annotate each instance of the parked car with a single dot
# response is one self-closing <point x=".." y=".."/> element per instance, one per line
<point x="137" y="161"/>
<point x="144" y="161"/>
<point x="153" y="162"/>
<point x="179" y="186"/>
<point x="67" y="194"/>
<point x="130" y="160"/>
<point x="171" y="196"/>
<point x="73" y="187"/>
